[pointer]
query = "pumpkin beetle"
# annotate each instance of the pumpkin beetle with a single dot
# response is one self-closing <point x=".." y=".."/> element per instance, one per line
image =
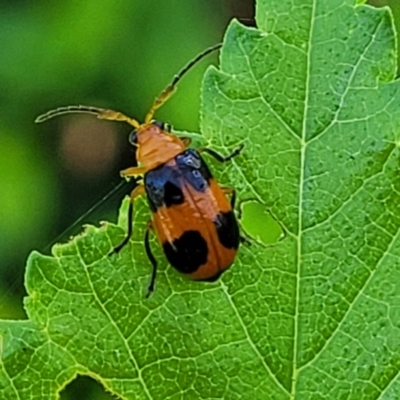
<point x="191" y="214"/>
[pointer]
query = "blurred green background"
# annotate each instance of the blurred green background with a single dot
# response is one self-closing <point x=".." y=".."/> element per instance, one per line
<point x="110" y="54"/>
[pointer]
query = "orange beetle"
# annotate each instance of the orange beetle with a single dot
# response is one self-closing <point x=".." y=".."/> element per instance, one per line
<point x="191" y="214"/>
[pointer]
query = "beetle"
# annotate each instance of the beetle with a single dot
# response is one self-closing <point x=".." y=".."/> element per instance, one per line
<point x="191" y="215"/>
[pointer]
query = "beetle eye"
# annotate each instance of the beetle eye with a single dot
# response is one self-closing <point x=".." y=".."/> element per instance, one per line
<point x="164" y="126"/>
<point x="159" y="124"/>
<point x="133" y="137"/>
<point x="167" y="127"/>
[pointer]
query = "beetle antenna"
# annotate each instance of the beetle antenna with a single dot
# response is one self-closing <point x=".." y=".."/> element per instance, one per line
<point x="101" y="113"/>
<point x="68" y="110"/>
<point x="168" y="91"/>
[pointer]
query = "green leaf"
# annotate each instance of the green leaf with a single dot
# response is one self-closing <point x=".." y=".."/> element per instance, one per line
<point x="312" y="96"/>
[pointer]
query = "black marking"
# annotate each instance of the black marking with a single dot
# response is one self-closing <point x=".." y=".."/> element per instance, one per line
<point x="164" y="184"/>
<point x="172" y="194"/>
<point x="194" y="170"/>
<point x="227" y="230"/>
<point x="187" y="253"/>
<point x="163" y="187"/>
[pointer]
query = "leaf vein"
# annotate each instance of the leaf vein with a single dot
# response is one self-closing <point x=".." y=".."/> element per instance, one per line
<point x="249" y="339"/>
<point x="116" y="327"/>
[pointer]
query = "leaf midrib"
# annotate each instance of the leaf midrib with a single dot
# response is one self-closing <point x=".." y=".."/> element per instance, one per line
<point x="300" y="205"/>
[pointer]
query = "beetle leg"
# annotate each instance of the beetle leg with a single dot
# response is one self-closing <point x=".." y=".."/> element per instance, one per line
<point x="133" y="171"/>
<point x="218" y="156"/>
<point x="230" y="192"/>
<point x="152" y="259"/>
<point x="186" y="141"/>
<point x="138" y="191"/>
<point x="244" y="240"/>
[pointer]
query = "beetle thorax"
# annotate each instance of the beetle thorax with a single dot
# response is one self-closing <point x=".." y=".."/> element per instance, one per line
<point x="155" y="146"/>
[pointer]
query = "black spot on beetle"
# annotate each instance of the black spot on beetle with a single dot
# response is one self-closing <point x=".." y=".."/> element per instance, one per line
<point x="187" y="253"/>
<point x="163" y="187"/>
<point x="194" y="170"/>
<point x="164" y="184"/>
<point x="227" y="230"/>
<point x="173" y="194"/>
